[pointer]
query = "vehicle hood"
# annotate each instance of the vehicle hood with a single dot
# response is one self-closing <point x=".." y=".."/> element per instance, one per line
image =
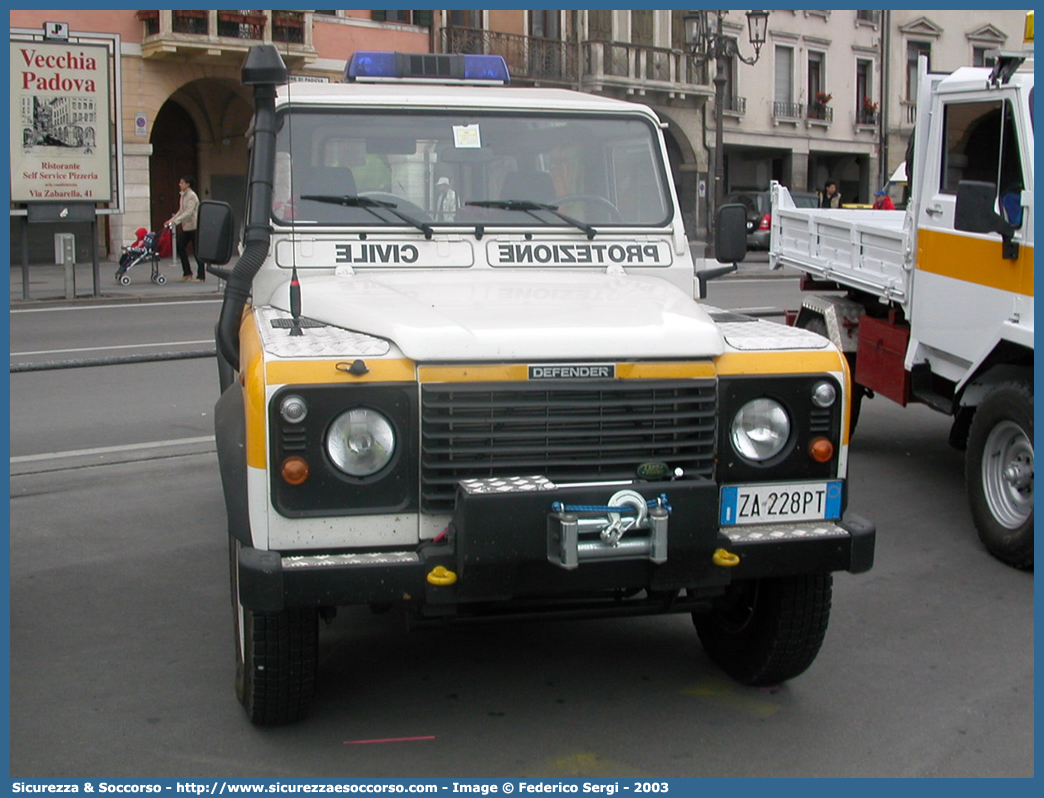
<point x="497" y="316"/>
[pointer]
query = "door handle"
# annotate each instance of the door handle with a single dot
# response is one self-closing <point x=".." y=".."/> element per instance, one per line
<point x="934" y="210"/>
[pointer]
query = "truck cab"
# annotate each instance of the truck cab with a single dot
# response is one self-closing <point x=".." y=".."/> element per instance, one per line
<point x="464" y="376"/>
<point x="935" y="304"/>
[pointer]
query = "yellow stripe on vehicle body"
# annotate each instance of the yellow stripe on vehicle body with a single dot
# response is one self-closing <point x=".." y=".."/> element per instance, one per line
<point x="975" y="260"/>
<point x="252" y="370"/>
<point x="324" y="372"/>
<point x="775" y="362"/>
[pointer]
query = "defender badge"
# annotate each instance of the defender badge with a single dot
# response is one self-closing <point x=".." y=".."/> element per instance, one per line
<point x="573" y="371"/>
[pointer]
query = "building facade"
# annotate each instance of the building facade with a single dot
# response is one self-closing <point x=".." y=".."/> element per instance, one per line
<point x="828" y="98"/>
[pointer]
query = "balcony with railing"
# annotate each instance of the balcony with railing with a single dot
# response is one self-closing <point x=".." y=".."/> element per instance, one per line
<point x="787" y="110"/>
<point x="642" y="69"/>
<point x="592" y="65"/>
<point x="529" y="58"/>
<point x="734" y="106"/>
<point x="222" y="36"/>
<point x="819" y="112"/>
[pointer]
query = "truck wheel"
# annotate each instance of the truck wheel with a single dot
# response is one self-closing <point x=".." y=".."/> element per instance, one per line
<point x="765" y="631"/>
<point x="999" y="473"/>
<point x="276" y="656"/>
<point x="817" y="324"/>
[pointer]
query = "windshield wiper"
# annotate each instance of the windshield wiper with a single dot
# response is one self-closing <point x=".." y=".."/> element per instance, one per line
<point x="367" y="204"/>
<point x="528" y="207"/>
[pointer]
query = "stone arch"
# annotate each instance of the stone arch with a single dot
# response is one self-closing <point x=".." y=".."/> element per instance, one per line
<point x="200" y="130"/>
<point x="174" y="153"/>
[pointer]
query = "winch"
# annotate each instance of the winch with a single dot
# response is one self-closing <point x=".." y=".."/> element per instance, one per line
<point x="628" y="527"/>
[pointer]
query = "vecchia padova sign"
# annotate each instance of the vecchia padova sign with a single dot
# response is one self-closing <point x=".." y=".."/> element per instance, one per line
<point x="60" y="131"/>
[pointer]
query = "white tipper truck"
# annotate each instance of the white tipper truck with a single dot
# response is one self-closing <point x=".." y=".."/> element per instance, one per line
<point x="935" y="304"/>
<point x="464" y="376"/>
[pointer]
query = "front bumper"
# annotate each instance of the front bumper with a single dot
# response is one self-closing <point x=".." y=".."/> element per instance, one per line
<point x="532" y="541"/>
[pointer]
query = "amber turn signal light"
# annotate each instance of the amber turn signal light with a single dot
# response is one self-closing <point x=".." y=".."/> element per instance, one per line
<point x="294" y="470"/>
<point x="821" y="450"/>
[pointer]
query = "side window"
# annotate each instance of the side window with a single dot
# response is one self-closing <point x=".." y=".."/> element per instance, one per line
<point x="981" y="144"/>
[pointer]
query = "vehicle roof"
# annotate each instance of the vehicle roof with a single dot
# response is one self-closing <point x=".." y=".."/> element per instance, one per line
<point x="433" y="95"/>
<point x="975" y="78"/>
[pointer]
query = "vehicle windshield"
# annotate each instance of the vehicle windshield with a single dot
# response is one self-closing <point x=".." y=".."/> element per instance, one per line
<point x="429" y="169"/>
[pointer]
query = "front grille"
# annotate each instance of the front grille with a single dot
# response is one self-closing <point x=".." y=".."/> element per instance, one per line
<point x="569" y="432"/>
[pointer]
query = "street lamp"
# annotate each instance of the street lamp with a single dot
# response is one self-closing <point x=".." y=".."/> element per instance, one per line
<point x="707" y="41"/>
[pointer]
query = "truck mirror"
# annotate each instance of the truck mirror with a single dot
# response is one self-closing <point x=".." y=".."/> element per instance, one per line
<point x="974" y="212"/>
<point x="730" y="233"/>
<point x="214" y="238"/>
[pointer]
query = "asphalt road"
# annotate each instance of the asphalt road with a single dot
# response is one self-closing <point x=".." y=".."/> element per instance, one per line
<point x="121" y="633"/>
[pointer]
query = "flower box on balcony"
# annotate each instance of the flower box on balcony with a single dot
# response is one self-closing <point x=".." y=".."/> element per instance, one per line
<point x="292" y="20"/>
<point x="242" y="19"/>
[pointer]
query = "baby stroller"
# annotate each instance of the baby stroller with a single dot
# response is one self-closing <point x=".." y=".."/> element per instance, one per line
<point x="151" y="247"/>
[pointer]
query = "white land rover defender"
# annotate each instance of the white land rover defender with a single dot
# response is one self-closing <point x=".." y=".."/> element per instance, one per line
<point x="463" y="374"/>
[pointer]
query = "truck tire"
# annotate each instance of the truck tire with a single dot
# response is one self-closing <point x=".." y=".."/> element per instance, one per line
<point x="765" y="631"/>
<point x="999" y="473"/>
<point x="276" y="657"/>
<point x="817" y="324"/>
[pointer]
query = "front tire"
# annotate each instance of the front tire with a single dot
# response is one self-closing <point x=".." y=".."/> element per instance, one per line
<point x="999" y="473"/>
<point x="765" y="631"/>
<point x="276" y="658"/>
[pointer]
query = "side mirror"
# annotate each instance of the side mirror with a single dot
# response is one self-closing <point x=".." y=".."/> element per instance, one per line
<point x="730" y="233"/>
<point x="214" y="237"/>
<point x="974" y="213"/>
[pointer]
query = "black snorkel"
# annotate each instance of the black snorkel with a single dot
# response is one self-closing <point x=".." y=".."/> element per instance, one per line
<point x="264" y="70"/>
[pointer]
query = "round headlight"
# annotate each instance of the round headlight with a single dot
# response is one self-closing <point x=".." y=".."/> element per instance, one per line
<point x="760" y="429"/>
<point x="360" y="442"/>
<point x="823" y="394"/>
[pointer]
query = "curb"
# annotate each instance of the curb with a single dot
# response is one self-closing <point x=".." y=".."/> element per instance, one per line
<point x="112" y="299"/>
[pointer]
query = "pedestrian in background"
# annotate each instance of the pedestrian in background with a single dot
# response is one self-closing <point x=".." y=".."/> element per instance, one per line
<point x="882" y="202"/>
<point x="187" y="215"/>
<point x="830" y="197"/>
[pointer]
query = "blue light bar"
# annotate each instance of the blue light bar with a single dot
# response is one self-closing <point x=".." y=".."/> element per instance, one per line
<point x="372" y="65"/>
<point x="426" y="67"/>
<point x="486" y="67"/>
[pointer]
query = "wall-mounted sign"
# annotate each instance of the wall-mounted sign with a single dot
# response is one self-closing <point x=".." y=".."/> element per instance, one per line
<point x="141" y="124"/>
<point x="60" y="142"/>
<point x="56" y="30"/>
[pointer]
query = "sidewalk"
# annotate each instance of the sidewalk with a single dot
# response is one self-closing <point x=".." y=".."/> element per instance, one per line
<point x="47" y="282"/>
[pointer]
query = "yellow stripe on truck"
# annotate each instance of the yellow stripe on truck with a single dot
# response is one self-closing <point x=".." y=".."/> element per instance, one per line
<point x="252" y="369"/>
<point x="325" y="372"/>
<point x="974" y="260"/>
<point x="736" y="363"/>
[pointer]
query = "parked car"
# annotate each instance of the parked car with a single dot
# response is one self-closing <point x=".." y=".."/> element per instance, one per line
<point x="759" y="214"/>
